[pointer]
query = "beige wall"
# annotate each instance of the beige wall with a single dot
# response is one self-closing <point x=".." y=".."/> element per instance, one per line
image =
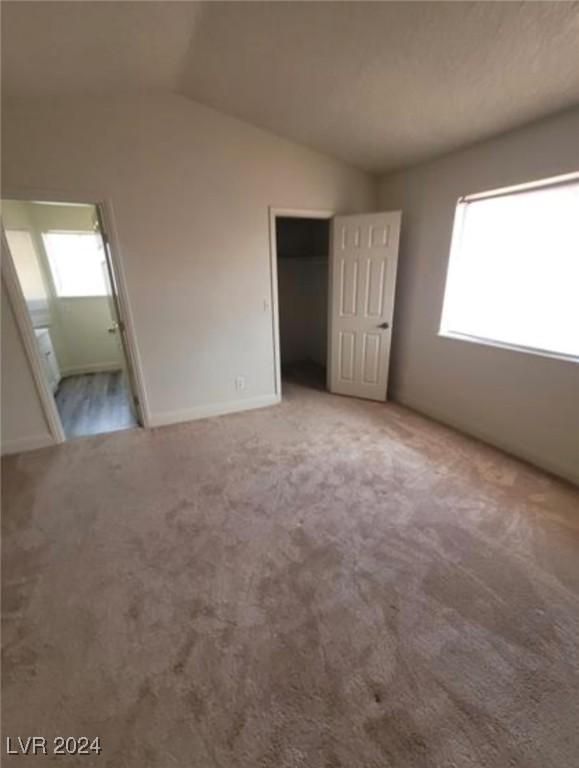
<point x="190" y="190"/>
<point x="527" y="404"/>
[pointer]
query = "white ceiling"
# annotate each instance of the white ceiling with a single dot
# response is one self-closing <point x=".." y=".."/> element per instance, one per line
<point x="379" y="85"/>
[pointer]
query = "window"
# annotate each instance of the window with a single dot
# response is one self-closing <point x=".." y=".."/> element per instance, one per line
<point x="77" y="262"/>
<point x="513" y="276"/>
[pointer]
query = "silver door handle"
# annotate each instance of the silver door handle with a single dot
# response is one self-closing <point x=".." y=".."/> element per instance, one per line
<point x="113" y="328"/>
<point x="383" y="325"/>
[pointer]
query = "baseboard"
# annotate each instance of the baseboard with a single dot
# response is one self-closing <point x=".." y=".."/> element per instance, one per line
<point x="218" y="409"/>
<point x="432" y="413"/>
<point x="78" y="370"/>
<point x="26" y="444"/>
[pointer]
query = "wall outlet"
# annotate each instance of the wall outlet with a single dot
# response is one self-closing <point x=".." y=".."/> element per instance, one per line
<point x="240" y="383"/>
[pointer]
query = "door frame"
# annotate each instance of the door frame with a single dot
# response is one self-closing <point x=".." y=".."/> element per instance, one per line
<point x="104" y="208"/>
<point x="288" y="213"/>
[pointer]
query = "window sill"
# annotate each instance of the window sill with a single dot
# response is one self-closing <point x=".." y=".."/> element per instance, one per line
<point x="509" y="347"/>
<point x="85" y="296"/>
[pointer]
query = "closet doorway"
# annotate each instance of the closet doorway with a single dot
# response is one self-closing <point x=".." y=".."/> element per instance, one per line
<point x="333" y="289"/>
<point x="302" y="248"/>
<point x="63" y="286"/>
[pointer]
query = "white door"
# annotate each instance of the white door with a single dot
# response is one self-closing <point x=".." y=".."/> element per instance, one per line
<point x="363" y="278"/>
<point x="49" y="361"/>
<point x="118" y="326"/>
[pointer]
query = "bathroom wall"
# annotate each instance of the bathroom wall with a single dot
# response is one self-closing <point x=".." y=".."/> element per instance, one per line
<point x="78" y="326"/>
<point x="23" y="423"/>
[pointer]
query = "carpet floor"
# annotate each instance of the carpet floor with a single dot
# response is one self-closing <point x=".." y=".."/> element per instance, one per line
<point x="326" y="583"/>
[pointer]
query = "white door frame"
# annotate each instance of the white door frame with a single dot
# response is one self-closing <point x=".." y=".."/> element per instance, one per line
<point x="289" y="213"/>
<point x="22" y="316"/>
<point x="26" y="330"/>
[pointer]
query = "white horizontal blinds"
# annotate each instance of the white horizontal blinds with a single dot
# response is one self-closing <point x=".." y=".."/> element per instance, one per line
<point x="77" y="262"/>
<point x="514" y="271"/>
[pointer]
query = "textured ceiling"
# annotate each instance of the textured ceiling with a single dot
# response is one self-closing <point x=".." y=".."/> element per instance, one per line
<point x="379" y="85"/>
<point x="94" y="47"/>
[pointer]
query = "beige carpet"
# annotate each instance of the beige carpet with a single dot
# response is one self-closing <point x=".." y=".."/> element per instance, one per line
<point x="321" y="584"/>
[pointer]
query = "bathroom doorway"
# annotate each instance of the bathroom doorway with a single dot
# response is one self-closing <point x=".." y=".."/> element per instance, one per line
<point x="64" y="289"/>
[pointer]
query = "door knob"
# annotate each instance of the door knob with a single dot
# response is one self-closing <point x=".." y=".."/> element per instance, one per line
<point x="383" y="325"/>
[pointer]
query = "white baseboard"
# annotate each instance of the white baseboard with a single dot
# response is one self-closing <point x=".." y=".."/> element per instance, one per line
<point x="26" y="444"/>
<point x="217" y="409"/>
<point x="432" y="412"/>
<point x="78" y="370"/>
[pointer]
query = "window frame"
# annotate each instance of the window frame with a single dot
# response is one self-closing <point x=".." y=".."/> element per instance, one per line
<point x="454" y="255"/>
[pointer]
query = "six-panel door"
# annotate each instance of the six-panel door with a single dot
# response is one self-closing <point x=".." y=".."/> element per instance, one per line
<point x="363" y="278"/>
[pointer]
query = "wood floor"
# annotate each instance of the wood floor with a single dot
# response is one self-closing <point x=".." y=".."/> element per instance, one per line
<point x="94" y="403"/>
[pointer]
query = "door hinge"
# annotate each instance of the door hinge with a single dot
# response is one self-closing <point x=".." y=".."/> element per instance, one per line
<point x="121" y="326"/>
<point x="136" y="400"/>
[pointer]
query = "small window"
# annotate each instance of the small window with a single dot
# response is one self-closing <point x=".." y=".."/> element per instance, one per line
<point x="513" y="275"/>
<point x="77" y="263"/>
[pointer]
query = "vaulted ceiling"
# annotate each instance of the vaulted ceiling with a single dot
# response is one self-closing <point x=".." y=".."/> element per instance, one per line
<point x="379" y="85"/>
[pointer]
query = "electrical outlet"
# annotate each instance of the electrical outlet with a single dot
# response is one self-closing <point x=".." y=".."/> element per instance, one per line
<point x="240" y="383"/>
